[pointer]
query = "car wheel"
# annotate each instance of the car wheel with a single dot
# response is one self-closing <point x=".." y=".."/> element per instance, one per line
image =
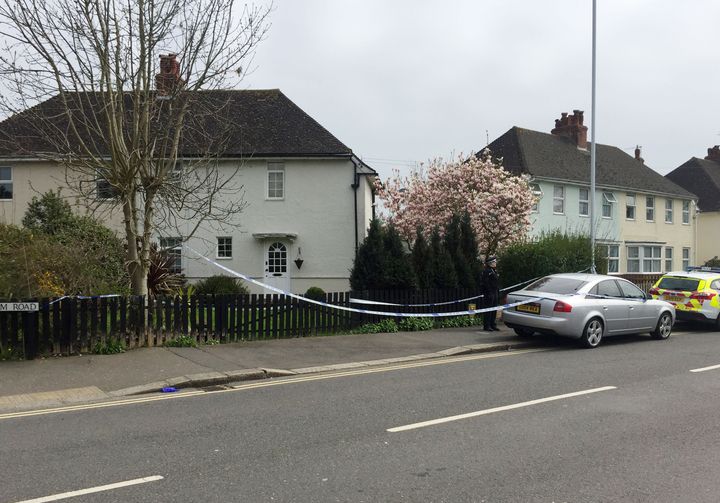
<point x="592" y="333"/>
<point x="524" y="332"/>
<point x="664" y="327"/>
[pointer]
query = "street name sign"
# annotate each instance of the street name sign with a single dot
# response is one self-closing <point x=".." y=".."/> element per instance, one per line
<point x="25" y="307"/>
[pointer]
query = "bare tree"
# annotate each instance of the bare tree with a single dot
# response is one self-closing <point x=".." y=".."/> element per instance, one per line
<point x="87" y="87"/>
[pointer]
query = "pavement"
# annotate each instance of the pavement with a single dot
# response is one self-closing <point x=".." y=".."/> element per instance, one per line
<point x="57" y="381"/>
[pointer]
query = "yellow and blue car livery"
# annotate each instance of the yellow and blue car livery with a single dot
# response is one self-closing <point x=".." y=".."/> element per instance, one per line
<point x="695" y="293"/>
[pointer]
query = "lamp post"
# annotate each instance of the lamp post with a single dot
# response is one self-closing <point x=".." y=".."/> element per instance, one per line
<point x="592" y="148"/>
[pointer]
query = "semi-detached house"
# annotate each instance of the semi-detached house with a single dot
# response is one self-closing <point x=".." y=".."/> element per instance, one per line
<point x="309" y="197"/>
<point x="647" y="222"/>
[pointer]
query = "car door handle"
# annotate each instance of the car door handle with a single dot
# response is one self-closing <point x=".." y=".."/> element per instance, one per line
<point x="605" y="308"/>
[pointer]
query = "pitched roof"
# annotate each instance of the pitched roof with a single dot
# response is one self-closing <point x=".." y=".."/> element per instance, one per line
<point x="701" y="177"/>
<point x="258" y="123"/>
<point x="549" y="156"/>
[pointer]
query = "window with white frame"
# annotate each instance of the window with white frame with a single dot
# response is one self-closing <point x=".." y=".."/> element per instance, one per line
<point x="558" y="199"/>
<point x="6" y="183"/>
<point x="650" y="208"/>
<point x="686" y="212"/>
<point x="584" y="208"/>
<point x="276" y="180"/>
<point x="686" y="259"/>
<point x="630" y="206"/>
<point x="537" y="194"/>
<point x="668" y="258"/>
<point x="224" y="247"/>
<point x="613" y="257"/>
<point x="644" y="259"/>
<point x="633" y="259"/>
<point x="668" y="211"/>
<point x="173" y="247"/>
<point x="607" y="206"/>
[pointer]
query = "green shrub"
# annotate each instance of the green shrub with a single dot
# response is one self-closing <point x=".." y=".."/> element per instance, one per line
<point x="181" y="341"/>
<point x="551" y="253"/>
<point x="387" y="325"/>
<point x="458" y="321"/>
<point x="220" y="285"/>
<point x="315" y="293"/>
<point x="110" y="347"/>
<point x="416" y="324"/>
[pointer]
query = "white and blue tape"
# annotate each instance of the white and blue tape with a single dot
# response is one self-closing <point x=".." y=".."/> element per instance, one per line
<point x="350" y="309"/>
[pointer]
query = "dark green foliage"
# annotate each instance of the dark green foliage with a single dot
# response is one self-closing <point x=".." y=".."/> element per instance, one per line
<point x="387" y="325"/>
<point x="422" y="261"/>
<point x="713" y="262"/>
<point x="458" y="321"/>
<point x="453" y="244"/>
<point x="416" y="324"/>
<point x="399" y="273"/>
<point x="49" y="214"/>
<point x="60" y="253"/>
<point x="220" y="285"/>
<point x="551" y="253"/>
<point x="315" y="293"/>
<point x="110" y="347"/>
<point x="381" y="262"/>
<point x="181" y="341"/>
<point x="162" y="280"/>
<point x="469" y="248"/>
<point x="443" y="270"/>
<point x="367" y="271"/>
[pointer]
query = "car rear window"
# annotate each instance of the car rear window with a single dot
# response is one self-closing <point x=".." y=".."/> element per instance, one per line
<point x="682" y="284"/>
<point x="553" y="284"/>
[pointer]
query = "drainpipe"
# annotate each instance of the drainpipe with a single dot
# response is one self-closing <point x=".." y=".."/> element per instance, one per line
<point x="355" y="185"/>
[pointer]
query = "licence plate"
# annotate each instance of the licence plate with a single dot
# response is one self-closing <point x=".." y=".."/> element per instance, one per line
<point x="675" y="298"/>
<point x="529" y="308"/>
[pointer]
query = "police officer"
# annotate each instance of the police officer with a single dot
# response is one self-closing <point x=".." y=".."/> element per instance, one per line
<point x="491" y="292"/>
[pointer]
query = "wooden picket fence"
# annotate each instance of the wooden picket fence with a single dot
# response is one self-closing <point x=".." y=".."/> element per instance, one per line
<point x="81" y="325"/>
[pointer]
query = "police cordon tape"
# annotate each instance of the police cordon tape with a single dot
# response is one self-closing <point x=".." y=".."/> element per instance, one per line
<point x="107" y="296"/>
<point x="376" y="302"/>
<point x="350" y="309"/>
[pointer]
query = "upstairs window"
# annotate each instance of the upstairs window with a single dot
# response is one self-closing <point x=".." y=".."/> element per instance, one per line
<point x="630" y="206"/>
<point x="537" y="193"/>
<point x="650" y="208"/>
<point x="668" y="211"/>
<point x="607" y="206"/>
<point x="584" y="208"/>
<point x="558" y="199"/>
<point x="103" y="188"/>
<point x="276" y="180"/>
<point x="6" y="183"/>
<point x="686" y="212"/>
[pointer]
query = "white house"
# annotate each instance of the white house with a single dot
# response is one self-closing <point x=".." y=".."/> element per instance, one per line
<point x="309" y="197"/>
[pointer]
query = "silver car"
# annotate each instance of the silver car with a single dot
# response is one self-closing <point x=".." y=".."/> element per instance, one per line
<point x="587" y="307"/>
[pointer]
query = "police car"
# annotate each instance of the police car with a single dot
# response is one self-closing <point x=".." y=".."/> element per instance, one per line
<point x="695" y="293"/>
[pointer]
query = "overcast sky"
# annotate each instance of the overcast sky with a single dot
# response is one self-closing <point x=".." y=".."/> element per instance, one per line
<point x="402" y="81"/>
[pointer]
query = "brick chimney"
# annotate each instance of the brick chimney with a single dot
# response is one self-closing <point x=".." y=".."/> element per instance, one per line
<point x="572" y="127"/>
<point x="637" y="154"/>
<point x="714" y="154"/>
<point x="169" y="77"/>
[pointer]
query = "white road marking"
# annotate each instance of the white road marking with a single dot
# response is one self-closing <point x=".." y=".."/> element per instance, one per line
<point x="266" y="383"/>
<point x="497" y="409"/>
<point x="80" y="492"/>
<point x="713" y="367"/>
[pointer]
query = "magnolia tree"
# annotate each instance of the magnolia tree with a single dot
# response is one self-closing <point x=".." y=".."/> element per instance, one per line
<point x="498" y="202"/>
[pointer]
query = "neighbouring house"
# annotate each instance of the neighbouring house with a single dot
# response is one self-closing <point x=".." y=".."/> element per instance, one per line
<point x="702" y="177"/>
<point x="309" y="197"/>
<point x="646" y="221"/>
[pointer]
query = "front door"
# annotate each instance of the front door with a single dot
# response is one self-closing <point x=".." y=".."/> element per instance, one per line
<point x="276" y="266"/>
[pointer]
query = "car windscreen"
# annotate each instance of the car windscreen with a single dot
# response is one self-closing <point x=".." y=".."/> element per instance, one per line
<point x="682" y="284"/>
<point x="557" y="284"/>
